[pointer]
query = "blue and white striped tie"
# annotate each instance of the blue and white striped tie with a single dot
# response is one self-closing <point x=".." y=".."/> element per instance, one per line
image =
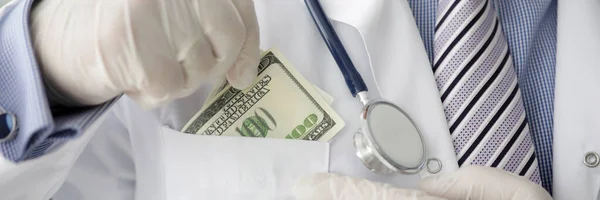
<point x="478" y="87"/>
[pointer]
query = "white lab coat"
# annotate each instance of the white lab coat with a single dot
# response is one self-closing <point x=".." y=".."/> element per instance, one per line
<point x="137" y="154"/>
<point x="577" y="99"/>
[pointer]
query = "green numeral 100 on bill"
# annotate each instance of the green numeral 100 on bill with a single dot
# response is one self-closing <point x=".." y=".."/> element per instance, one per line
<point x="308" y="123"/>
<point x="257" y="125"/>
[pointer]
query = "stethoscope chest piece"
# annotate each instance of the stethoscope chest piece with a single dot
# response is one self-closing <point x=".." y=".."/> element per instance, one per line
<point x="368" y="155"/>
<point x="388" y="141"/>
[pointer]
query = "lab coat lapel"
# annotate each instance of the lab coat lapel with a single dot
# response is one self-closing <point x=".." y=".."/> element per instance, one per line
<point x="576" y="110"/>
<point x="400" y="67"/>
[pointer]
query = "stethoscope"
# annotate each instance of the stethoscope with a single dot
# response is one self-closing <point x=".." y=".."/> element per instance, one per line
<point x="389" y="141"/>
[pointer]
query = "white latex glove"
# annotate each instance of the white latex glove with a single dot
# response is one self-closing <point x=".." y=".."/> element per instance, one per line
<point x="153" y="50"/>
<point x="477" y="182"/>
<point x="328" y="186"/>
<point x="471" y="182"/>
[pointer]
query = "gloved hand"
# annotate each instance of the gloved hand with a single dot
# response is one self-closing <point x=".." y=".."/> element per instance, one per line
<point x="328" y="186"/>
<point x="477" y="182"/>
<point x="470" y="182"/>
<point x="90" y="51"/>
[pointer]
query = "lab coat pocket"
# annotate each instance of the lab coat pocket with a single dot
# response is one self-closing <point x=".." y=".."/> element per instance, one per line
<point x="222" y="167"/>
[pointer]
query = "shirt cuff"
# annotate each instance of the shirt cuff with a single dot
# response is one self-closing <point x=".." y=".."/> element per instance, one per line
<point x="23" y="94"/>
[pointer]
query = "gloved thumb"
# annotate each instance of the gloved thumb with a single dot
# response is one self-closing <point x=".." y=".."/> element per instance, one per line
<point x="244" y="71"/>
<point x="477" y="182"/>
<point x="328" y="186"/>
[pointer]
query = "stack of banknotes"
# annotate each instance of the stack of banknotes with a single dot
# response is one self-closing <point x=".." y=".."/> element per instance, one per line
<point x="280" y="104"/>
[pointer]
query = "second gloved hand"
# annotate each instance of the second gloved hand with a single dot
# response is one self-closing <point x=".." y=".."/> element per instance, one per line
<point x="153" y="50"/>
<point x="328" y="186"/>
<point x="477" y="182"/>
<point x="470" y="182"/>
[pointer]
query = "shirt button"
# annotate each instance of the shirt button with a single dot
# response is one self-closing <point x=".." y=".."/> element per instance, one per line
<point x="8" y="126"/>
<point x="591" y="159"/>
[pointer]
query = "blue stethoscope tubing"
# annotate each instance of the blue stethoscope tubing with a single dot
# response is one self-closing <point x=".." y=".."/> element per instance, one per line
<point x="353" y="79"/>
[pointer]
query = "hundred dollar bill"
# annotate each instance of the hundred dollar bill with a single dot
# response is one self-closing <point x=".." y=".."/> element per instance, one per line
<point x="328" y="98"/>
<point x="280" y="104"/>
<point x="224" y="83"/>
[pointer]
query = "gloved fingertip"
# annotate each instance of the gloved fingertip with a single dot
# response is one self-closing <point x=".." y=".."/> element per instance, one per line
<point x="243" y="74"/>
<point x="437" y="185"/>
<point x="428" y="182"/>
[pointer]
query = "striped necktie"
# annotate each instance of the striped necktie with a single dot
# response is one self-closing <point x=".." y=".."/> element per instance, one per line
<point x="479" y="91"/>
